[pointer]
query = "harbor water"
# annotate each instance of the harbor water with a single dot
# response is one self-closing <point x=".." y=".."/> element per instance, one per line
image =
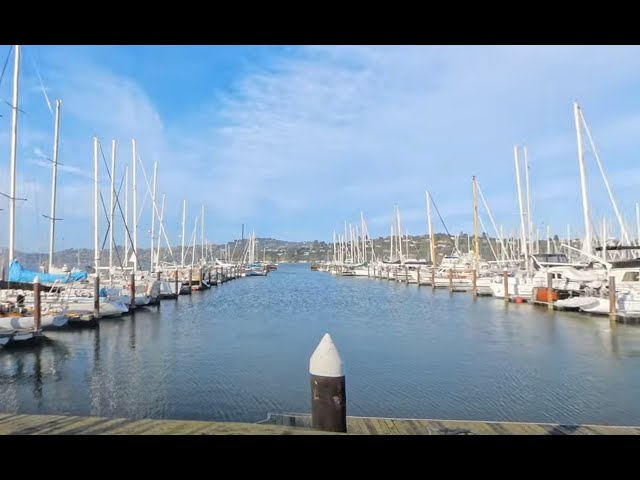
<point x="241" y="350"/>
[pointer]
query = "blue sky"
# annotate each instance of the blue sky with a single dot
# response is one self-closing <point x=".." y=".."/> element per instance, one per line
<point x="293" y="140"/>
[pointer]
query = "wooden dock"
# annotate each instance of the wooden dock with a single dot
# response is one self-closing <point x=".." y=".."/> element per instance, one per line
<point x="407" y="426"/>
<point x="287" y="424"/>
<point x="11" y="424"/>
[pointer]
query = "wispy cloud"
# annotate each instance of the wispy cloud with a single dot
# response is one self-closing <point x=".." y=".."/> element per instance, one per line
<point x="315" y="135"/>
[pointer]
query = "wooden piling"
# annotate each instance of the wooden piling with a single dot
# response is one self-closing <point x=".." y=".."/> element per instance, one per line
<point x="418" y="275"/>
<point x="474" y="283"/>
<point x="175" y="280"/>
<point x="505" y="283"/>
<point x="549" y="290"/>
<point x="201" y="281"/>
<point x="190" y="279"/>
<point x="450" y="280"/>
<point x="132" y="287"/>
<point x="96" y="297"/>
<point x="37" y="305"/>
<point x="613" y="313"/>
<point x="433" y="277"/>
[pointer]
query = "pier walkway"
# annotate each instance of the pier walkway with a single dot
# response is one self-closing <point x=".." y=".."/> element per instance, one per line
<point x="289" y="424"/>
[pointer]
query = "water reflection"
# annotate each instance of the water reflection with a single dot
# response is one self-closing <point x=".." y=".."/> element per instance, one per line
<point x="241" y="350"/>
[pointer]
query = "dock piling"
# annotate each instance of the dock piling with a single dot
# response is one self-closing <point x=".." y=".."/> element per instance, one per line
<point x="474" y="283"/>
<point x="176" y="284"/>
<point x="549" y="291"/>
<point x="612" y="298"/>
<point x="132" y="290"/>
<point x="328" y="394"/>
<point x="505" y="283"/>
<point x="96" y="297"/>
<point x="37" y="306"/>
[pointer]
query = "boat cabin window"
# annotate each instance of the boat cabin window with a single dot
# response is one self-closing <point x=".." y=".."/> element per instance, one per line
<point x="631" y="277"/>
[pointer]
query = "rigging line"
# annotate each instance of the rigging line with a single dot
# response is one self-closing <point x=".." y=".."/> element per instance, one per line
<point x="44" y="91"/>
<point x="455" y="248"/>
<point x="117" y="198"/>
<point x="6" y="62"/>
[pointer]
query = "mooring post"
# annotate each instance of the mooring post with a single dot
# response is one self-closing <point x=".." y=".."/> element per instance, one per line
<point x="433" y="277"/>
<point x="474" y="282"/>
<point x="612" y="298"/>
<point x="201" y="281"/>
<point x="505" y="283"/>
<point x="132" y="287"/>
<point x="37" y="307"/>
<point x="190" y="279"/>
<point x="418" y="275"/>
<point x="96" y="297"/>
<point x="159" y="288"/>
<point x="549" y="290"/>
<point x="450" y="280"/>
<point x="175" y="280"/>
<point x="368" y="274"/>
<point x="328" y="394"/>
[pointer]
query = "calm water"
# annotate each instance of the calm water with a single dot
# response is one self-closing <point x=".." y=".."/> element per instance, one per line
<point x="242" y="350"/>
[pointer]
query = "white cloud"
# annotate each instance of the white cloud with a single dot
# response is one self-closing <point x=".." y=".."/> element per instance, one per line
<point x="322" y="132"/>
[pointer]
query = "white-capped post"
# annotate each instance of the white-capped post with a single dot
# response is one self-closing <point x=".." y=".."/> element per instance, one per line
<point x="328" y="393"/>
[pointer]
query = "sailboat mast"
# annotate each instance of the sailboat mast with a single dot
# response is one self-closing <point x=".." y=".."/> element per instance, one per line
<point x="184" y="225"/>
<point x="157" y="253"/>
<point x="583" y="181"/>
<point x="14" y="155"/>
<point x="135" y="204"/>
<point x="524" y="246"/>
<point x="364" y="238"/>
<point x="475" y="225"/>
<point x="432" y="246"/>
<point x="529" y="215"/>
<point x="54" y="184"/>
<point x="153" y="212"/>
<point x="202" y="229"/>
<point x="126" y="216"/>
<point x="399" y="234"/>
<point x="96" y="198"/>
<point x="112" y="206"/>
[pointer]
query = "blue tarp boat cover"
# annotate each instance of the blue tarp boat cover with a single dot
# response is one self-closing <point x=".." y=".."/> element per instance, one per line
<point x="17" y="273"/>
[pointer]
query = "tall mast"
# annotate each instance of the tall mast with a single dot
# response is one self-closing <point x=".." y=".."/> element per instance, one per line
<point x="14" y="155"/>
<point x="583" y="181"/>
<point x="112" y="205"/>
<point x="96" y="199"/>
<point x="364" y="238"/>
<point x="184" y="224"/>
<point x="475" y="224"/>
<point x="202" y="229"/>
<point x="399" y="234"/>
<point x="520" y="201"/>
<point x="432" y="244"/>
<point x="529" y="214"/>
<point x="157" y="252"/>
<point x="54" y="184"/>
<point x="154" y="212"/>
<point x="135" y="204"/>
<point x="126" y="216"/>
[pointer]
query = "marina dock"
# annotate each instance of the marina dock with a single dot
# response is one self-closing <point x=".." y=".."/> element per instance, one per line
<point x="287" y="424"/>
